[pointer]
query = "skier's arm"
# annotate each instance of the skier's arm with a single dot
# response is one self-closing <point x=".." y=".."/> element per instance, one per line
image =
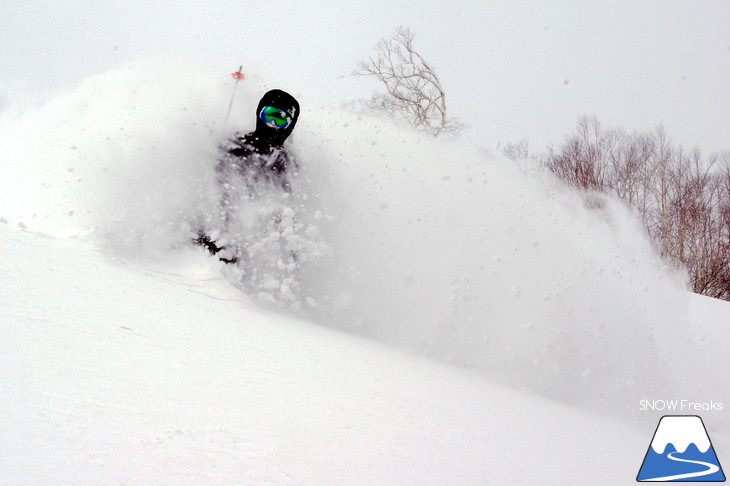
<point x="285" y="166"/>
<point x="231" y="152"/>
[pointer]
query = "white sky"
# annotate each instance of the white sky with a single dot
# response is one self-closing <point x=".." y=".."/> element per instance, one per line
<point x="512" y="69"/>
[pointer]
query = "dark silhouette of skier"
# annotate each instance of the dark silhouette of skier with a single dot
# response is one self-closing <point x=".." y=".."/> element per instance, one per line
<point x="258" y="160"/>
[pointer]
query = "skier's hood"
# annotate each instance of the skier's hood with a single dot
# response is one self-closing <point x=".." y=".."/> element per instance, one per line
<point x="265" y="136"/>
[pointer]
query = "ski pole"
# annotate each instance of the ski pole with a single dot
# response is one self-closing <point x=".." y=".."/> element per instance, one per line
<point x="238" y="76"/>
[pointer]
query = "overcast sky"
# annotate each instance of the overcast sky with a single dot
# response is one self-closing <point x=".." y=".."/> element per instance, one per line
<point x="511" y="69"/>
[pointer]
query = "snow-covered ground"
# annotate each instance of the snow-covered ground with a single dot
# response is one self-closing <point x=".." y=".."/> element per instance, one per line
<point x="115" y="376"/>
<point x="463" y="319"/>
<point x="112" y="375"/>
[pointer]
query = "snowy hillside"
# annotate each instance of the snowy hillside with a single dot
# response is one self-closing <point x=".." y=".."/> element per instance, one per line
<point x="130" y="356"/>
<point x="115" y="376"/>
<point x="112" y="375"/>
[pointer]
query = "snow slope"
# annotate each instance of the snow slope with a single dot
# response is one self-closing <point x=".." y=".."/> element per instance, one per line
<point x="433" y="245"/>
<point x="170" y="376"/>
<point x="141" y="361"/>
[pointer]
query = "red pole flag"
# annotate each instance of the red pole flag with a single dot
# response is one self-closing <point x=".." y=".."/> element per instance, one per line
<point x="238" y="76"/>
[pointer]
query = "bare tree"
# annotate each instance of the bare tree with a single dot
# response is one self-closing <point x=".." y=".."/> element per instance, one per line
<point x="723" y="280"/>
<point x="413" y="91"/>
<point x="517" y="151"/>
<point x="682" y="197"/>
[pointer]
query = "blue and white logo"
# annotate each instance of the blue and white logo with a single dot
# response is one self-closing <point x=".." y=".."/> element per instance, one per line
<point x="681" y="451"/>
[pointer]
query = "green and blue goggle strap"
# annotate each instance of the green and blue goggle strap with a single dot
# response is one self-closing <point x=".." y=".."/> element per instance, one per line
<point x="275" y="117"/>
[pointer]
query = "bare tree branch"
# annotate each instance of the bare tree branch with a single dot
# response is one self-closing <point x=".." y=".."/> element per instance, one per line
<point x="682" y="197"/>
<point x="413" y="90"/>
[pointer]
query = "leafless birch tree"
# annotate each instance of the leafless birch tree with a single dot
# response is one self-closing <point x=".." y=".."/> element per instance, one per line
<point x="682" y="197"/>
<point x="413" y="91"/>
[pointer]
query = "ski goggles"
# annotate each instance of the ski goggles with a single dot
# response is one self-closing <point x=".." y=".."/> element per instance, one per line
<point x="275" y="117"/>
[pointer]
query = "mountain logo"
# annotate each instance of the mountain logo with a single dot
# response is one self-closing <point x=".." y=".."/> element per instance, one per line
<point x="680" y="451"/>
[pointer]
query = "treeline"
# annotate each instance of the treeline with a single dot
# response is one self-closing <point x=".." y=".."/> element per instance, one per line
<point x="682" y="197"/>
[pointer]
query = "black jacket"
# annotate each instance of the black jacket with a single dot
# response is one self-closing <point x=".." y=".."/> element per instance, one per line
<point x="260" y="156"/>
<point x="259" y="170"/>
<point x="252" y="164"/>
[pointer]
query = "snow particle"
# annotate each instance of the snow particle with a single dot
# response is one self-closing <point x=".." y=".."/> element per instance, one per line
<point x="566" y="82"/>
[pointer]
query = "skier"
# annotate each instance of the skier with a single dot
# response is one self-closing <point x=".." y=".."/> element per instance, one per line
<point x="258" y="161"/>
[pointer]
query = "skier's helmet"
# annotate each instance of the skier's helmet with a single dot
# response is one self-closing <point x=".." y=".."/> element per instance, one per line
<point x="277" y="115"/>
